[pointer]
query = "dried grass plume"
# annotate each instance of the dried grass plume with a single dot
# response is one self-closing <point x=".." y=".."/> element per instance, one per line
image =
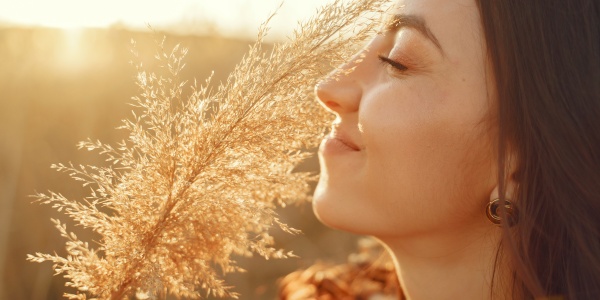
<point x="202" y="170"/>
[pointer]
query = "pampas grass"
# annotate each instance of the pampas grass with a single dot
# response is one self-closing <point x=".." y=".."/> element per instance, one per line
<point x="202" y="171"/>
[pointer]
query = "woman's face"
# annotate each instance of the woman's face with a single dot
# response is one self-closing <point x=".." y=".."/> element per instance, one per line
<point x="411" y="151"/>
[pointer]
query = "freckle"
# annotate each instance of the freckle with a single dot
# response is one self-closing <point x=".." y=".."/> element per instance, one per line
<point x="463" y="79"/>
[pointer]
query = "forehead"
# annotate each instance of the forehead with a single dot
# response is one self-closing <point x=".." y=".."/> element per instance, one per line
<point x="455" y="23"/>
<point x="439" y="8"/>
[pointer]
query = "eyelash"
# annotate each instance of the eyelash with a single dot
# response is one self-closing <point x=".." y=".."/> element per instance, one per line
<point x="394" y="64"/>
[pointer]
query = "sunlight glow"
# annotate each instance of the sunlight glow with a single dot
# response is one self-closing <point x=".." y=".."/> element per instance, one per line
<point x="231" y="16"/>
<point x="70" y="56"/>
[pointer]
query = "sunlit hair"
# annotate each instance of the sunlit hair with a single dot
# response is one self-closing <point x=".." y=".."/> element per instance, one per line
<point x="545" y="57"/>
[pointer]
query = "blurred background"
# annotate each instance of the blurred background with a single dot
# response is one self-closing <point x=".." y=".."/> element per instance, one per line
<point x="65" y="76"/>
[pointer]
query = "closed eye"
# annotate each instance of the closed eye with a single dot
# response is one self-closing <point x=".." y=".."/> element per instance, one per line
<point x="396" y="65"/>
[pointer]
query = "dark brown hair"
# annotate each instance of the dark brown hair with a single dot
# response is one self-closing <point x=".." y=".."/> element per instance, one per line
<point x="545" y="56"/>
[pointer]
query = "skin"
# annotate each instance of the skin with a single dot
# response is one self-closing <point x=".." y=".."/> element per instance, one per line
<point x="411" y="157"/>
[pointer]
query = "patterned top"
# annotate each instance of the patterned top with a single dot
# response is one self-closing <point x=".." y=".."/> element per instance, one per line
<point x="367" y="275"/>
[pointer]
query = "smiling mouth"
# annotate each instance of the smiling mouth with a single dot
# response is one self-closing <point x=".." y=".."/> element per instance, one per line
<point x="336" y="142"/>
<point x="341" y="141"/>
<point x="334" y="146"/>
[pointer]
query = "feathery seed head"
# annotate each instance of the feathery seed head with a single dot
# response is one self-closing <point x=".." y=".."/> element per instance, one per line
<point x="201" y="173"/>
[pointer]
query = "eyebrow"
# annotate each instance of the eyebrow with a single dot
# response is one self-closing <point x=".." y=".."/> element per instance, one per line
<point x="416" y="22"/>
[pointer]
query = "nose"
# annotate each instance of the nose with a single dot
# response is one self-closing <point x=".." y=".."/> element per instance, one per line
<point x="340" y="92"/>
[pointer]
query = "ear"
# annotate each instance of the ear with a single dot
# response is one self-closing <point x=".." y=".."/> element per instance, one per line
<point x="510" y="179"/>
<point x="510" y="186"/>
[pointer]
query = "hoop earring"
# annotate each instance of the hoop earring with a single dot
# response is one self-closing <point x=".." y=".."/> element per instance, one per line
<point x="492" y="211"/>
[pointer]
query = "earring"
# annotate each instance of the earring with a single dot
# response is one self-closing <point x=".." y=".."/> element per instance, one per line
<point x="492" y="211"/>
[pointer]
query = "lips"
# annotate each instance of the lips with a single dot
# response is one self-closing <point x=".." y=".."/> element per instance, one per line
<point x="338" y="142"/>
<point x="337" y="137"/>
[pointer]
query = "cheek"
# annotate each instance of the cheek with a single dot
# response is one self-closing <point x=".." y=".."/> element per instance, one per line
<point x="405" y="130"/>
<point x="409" y="151"/>
<point x="425" y="152"/>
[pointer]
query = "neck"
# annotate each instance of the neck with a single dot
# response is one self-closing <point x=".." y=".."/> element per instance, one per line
<point x="457" y="264"/>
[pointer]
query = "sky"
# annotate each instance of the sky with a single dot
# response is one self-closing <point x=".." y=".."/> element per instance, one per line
<point x="230" y="17"/>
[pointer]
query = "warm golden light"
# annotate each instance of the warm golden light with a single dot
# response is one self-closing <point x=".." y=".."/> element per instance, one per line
<point x="70" y="56"/>
<point x="230" y="17"/>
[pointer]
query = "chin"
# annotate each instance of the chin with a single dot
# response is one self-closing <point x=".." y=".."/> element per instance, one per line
<point x="320" y="204"/>
<point x="327" y="207"/>
<point x="335" y="209"/>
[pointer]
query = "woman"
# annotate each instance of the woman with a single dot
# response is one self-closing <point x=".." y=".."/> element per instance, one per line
<point x="467" y="141"/>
